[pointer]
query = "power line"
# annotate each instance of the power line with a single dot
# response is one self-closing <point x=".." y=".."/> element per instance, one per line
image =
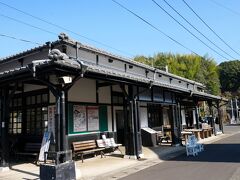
<point x="154" y="27"/>
<point x="197" y="30"/>
<point x="225" y="7"/>
<point x="63" y="28"/>
<point x="27" y="24"/>
<point x="209" y="26"/>
<point x="187" y="29"/>
<point x="19" y="39"/>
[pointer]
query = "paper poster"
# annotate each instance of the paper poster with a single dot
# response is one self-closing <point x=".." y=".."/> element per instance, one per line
<point x="79" y="118"/>
<point x="51" y="119"/>
<point x="45" y="145"/>
<point x="93" y="118"/>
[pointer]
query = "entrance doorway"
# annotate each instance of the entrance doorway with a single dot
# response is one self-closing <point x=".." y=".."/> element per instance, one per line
<point x="120" y="126"/>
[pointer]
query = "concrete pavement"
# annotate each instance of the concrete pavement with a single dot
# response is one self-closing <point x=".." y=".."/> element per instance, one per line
<point x="113" y="166"/>
<point x="220" y="161"/>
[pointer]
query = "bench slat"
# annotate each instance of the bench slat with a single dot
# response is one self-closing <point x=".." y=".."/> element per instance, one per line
<point x="86" y="147"/>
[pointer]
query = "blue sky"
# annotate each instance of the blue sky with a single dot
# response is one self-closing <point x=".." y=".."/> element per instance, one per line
<point x="106" y="22"/>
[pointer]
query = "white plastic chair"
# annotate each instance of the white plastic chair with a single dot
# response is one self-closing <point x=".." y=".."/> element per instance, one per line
<point x="191" y="147"/>
<point x="199" y="145"/>
<point x="110" y="143"/>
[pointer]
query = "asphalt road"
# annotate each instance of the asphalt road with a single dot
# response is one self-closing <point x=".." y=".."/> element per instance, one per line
<point x="219" y="161"/>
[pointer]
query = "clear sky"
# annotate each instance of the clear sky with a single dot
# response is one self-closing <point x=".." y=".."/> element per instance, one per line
<point x="104" y="21"/>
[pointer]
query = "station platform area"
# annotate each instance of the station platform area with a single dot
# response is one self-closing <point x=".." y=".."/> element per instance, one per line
<point x="113" y="166"/>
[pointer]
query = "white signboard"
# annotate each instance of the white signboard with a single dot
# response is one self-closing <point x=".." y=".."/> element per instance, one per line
<point x="45" y="145"/>
<point x="149" y="130"/>
<point x="79" y="118"/>
<point x="51" y="119"/>
<point x="93" y="118"/>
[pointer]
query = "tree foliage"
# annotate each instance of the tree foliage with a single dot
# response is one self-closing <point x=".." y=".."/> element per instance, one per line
<point x="229" y="73"/>
<point x="200" y="69"/>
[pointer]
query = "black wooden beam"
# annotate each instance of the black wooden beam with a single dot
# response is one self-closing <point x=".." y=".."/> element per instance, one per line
<point x="105" y="84"/>
<point x="4" y="127"/>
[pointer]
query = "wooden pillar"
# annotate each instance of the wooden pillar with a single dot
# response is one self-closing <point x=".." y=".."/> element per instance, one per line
<point x="60" y="122"/>
<point x="211" y="113"/>
<point x="57" y="123"/>
<point x="174" y="121"/>
<point x="132" y="136"/>
<point x="137" y="127"/>
<point x="112" y="109"/>
<point x="4" y="127"/>
<point x="63" y="137"/>
<point x="220" y="121"/>
<point x="196" y="113"/>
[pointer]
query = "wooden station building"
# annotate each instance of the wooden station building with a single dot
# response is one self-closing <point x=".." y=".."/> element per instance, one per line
<point x="79" y="92"/>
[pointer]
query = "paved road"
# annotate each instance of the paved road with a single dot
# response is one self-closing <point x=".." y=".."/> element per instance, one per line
<point x="219" y="161"/>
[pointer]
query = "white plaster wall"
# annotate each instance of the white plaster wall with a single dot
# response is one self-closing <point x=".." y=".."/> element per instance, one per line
<point x="115" y="64"/>
<point x="194" y="117"/>
<point x="12" y="64"/>
<point x="116" y="88"/>
<point x="87" y="56"/>
<point x="84" y="90"/>
<point x="43" y="54"/>
<point x="30" y="87"/>
<point x="104" y="94"/>
<point x="183" y="117"/>
<point x="6" y="66"/>
<point x="143" y="116"/>
<point x="142" y="103"/>
<point x="109" y="111"/>
<point x="52" y="98"/>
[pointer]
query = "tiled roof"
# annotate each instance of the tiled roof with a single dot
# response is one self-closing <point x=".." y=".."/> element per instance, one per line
<point x="93" y="68"/>
<point x="100" y="51"/>
<point x="104" y="70"/>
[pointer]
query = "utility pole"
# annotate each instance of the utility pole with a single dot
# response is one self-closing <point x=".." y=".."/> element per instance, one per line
<point x="237" y="117"/>
<point x="232" y="117"/>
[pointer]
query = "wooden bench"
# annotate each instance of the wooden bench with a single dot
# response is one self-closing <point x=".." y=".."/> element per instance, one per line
<point x="30" y="149"/>
<point x="82" y="148"/>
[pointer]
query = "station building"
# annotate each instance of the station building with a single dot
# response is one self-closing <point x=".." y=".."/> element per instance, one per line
<point x="78" y="93"/>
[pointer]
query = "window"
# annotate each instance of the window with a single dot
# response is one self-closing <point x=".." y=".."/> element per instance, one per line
<point x="36" y="114"/>
<point x="15" y="121"/>
<point x="145" y="94"/>
<point x="117" y="98"/>
<point x="157" y="94"/>
<point x="0" y="113"/>
<point x="32" y="107"/>
<point x="154" y="115"/>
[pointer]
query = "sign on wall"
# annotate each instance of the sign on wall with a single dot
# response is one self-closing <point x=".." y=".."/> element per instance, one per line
<point x="79" y="118"/>
<point x="97" y="120"/>
<point x="93" y="118"/>
<point x="51" y="119"/>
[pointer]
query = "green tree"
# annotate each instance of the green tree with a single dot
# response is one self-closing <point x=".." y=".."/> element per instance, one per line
<point x="229" y="73"/>
<point x="210" y="72"/>
<point x="200" y="69"/>
<point x="142" y="59"/>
